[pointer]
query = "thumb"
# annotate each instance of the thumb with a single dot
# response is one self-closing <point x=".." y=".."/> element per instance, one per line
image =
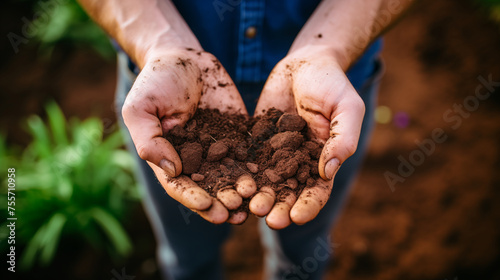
<point x="345" y="128"/>
<point x="146" y="132"/>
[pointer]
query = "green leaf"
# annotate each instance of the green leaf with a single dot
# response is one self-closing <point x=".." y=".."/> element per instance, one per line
<point x="51" y="237"/>
<point x="113" y="141"/>
<point x="29" y="255"/>
<point x="37" y="180"/>
<point x="41" y="139"/>
<point x="88" y="134"/>
<point x="57" y="25"/>
<point x="113" y="230"/>
<point x="57" y="123"/>
<point x="123" y="159"/>
<point x="64" y="188"/>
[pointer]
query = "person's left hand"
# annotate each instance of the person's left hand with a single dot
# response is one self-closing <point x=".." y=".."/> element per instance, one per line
<point x="310" y="82"/>
<point x="173" y="83"/>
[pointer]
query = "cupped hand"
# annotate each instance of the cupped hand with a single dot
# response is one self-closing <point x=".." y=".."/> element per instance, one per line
<point x="311" y="83"/>
<point x="167" y="92"/>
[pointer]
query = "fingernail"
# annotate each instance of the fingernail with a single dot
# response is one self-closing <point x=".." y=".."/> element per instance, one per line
<point x="331" y="167"/>
<point x="168" y="167"/>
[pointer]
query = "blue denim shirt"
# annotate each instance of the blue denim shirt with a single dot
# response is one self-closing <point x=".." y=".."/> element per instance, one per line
<point x="250" y="36"/>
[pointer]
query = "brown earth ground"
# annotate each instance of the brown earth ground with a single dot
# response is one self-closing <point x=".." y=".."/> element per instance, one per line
<point x="442" y="222"/>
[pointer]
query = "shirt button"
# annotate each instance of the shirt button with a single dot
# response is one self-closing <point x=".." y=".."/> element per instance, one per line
<point x="251" y="32"/>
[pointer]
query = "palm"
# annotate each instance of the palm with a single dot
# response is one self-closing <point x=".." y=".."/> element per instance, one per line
<point x="318" y="90"/>
<point x="167" y="93"/>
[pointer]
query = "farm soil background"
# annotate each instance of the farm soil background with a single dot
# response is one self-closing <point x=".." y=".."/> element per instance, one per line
<point x="442" y="222"/>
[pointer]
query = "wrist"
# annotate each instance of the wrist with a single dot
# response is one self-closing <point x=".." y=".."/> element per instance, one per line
<point x="152" y="28"/>
<point x="165" y="47"/>
<point x="321" y="52"/>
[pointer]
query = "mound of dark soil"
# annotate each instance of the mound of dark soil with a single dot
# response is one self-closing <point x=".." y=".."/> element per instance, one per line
<point x="217" y="148"/>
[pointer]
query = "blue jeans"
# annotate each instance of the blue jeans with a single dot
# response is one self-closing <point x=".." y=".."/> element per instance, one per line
<point x="189" y="247"/>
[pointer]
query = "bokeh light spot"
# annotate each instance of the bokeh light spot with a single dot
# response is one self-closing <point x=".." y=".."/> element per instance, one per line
<point x="383" y="114"/>
<point x="401" y="119"/>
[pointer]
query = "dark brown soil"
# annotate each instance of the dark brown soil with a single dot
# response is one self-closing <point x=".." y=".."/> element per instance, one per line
<point x="216" y="149"/>
<point x="441" y="223"/>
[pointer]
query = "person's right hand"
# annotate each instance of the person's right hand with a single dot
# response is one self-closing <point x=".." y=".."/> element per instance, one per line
<point x="167" y="92"/>
<point x="311" y="83"/>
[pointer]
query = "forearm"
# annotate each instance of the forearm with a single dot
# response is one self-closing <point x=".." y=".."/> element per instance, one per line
<point x="344" y="28"/>
<point x="142" y="27"/>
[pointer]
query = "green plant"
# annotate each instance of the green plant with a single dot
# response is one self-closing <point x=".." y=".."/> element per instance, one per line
<point x="66" y="22"/>
<point x="493" y="7"/>
<point x="70" y="183"/>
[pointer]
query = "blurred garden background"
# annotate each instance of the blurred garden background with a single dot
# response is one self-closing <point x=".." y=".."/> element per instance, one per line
<point x="78" y="206"/>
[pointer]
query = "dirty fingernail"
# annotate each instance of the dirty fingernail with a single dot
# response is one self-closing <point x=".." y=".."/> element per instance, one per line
<point x="168" y="167"/>
<point x="331" y="167"/>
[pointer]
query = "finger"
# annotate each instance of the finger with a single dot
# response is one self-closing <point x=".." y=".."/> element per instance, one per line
<point x="147" y="135"/>
<point x="262" y="202"/>
<point x="238" y="218"/>
<point x="310" y="202"/>
<point x="279" y="217"/>
<point x="333" y="111"/>
<point x="184" y="190"/>
<point x="148" y="114"/>
<point x="230" y="198"/>
<point x="276" y="92"/>
<point x="216" y="214"/>
<point x="246" y="186"/>
<point x="345" y="128"/>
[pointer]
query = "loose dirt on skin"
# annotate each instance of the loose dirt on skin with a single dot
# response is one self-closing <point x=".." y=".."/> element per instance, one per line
<point x="217" y="148"/>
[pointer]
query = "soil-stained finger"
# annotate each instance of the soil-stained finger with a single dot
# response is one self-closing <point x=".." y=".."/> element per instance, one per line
<point x="246" y="186"/>
<point x="184" y="190"/>
<point x="262" y="202"/>
<point x="279" y="217"/>
<point x="230" y="198"/>
<point x="310" y="202"/>
<point x="238" y="218"/>
<point x="217" y="214"/>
